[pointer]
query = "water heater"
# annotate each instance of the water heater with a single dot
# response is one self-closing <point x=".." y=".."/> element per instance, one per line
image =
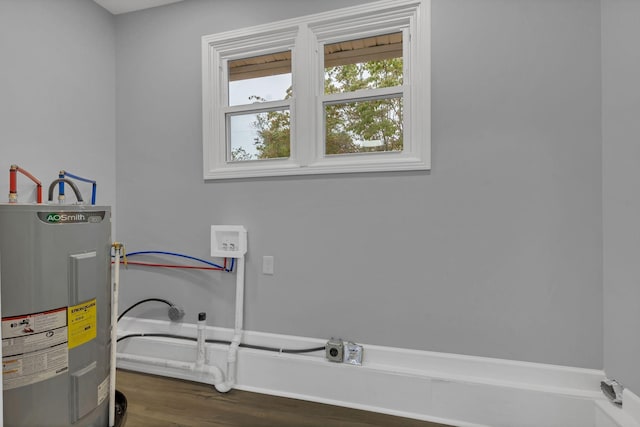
<point x="55" y="279"/>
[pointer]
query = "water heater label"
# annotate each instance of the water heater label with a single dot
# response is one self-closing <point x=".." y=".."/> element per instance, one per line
<point x="72" y="217"/>
<point x="82" y="323"/>
<point x="31" y="368"/>
<point x="34" y="347"/>
<point x="28" y="324"/>
<point x="103" y="390"/>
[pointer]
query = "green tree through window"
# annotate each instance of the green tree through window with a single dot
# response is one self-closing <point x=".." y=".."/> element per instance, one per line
<point x="364" y="125"/>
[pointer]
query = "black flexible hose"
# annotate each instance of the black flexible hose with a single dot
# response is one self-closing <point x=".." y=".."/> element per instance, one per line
<point x="284" y="350"/>
<point x="169" y="303"/>
<point x="74" y="187"/>
<point x="211" y="341"/>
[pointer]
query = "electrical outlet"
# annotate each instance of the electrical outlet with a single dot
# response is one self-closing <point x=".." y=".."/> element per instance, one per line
<point x="228" y="241"/>
<point x="340" y="351"/>
<point x="335" y="350"/>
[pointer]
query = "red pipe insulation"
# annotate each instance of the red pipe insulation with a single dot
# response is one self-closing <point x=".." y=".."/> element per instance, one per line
<point x="13" y="184"/>
<point x="192" y="267"/>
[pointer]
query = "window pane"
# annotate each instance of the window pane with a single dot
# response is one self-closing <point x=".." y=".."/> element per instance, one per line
<point x="258" y="136"/>
<point x="260" y="78"/>
<point x="363" y="126"/>
<point x="369" y="63"/>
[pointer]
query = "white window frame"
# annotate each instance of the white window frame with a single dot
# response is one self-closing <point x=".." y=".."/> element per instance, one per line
<point x="306" y="37"/>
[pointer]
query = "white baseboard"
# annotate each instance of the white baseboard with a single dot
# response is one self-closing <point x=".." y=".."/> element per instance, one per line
<point x="464" y="391"/>
<point x="631" y="405"/>
<point x="610" y="415"/>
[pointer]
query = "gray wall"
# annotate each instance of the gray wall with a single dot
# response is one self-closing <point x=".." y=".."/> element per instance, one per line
<point x="57" y="94"/>
<point x="621" y="151"/>
<point x="496" y="252"/>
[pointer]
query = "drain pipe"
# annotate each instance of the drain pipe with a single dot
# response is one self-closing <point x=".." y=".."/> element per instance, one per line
<point x="215" y="374"/>
<point x="201" y="340"/>
<point x="216" y="377"/>
<point x="211" y="372"/>
<point x="118" y="250"/>
<point x="232" y="357"/>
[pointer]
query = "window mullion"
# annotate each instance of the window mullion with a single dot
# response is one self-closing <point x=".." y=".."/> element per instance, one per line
<point x="303" y="124"/>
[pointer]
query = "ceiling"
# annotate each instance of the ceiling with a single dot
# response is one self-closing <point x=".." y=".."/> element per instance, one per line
<point x="123" y="6"/>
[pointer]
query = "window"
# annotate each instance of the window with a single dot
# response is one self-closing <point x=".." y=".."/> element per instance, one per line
<point x="343" y="91"/>
<point x="259" y="97"/>
<point x="371" y="121"/>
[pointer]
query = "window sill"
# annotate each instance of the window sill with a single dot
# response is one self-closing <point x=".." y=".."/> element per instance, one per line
<point x="326" y="166"/>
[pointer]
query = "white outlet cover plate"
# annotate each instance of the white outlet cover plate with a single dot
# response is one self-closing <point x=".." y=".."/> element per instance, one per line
<point x="267" y="264"/>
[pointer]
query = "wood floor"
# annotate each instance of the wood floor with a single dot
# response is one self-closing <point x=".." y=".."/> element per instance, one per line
<point x="162" y="402"/>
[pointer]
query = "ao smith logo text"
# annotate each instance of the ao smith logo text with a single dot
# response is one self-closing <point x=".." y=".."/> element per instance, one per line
<point x="56" y="217"/>
<point x="71" y="217"/>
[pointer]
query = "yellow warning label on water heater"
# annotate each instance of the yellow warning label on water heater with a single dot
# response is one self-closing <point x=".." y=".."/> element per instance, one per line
<point x="82" y="323"/>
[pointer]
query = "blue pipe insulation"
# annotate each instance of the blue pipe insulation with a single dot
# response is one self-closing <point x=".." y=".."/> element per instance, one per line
<point x="79" y="178"/>
<point x="70" y="175"/>
<point x="61" y="184"/>
<point x="181" y="256"/>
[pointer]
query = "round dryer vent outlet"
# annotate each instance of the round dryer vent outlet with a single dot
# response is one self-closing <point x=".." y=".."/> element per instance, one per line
<point x="175" y="313"/>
